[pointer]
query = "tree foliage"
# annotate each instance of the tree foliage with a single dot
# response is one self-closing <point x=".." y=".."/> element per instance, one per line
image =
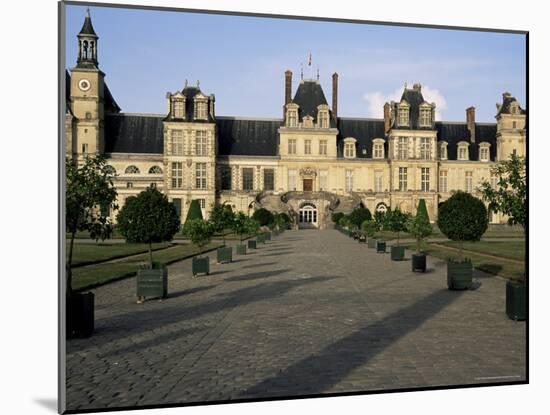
<point x="337" y="216"/>
<point x="358" y="216"/>
<point x="396" y="221"/>
<point x="380" y="219"/>
<point x="221" y="217"/>
<point x="419" y="226"/>
<point x="240" y="224"/>
<point x="148" y="218"/>
<point x="370" y="227"/>
<point x="88" y="187"/>
<point x="510" y="195"/>
<point x="263" y="216"/>
<point x="200" y="232"/>
<point x="194" y="212"/>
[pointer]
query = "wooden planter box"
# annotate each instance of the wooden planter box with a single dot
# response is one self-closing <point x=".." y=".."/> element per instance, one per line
<point x="371" y="243"/>
<point x="224" y="254"/>
<point x="267" y="236"/>
<point x="152" y="282"/>
<point x="459" y="275"/>
<point x="201" y="265"/>
<point x="380" y="247"/>
<point x="418" y="263"/>
<point x="397" y="253"/>
<point x="261" y="238"/>
<point x="241" y="249"/>
<point x="516" y="300"/>
<point x="80" y="315"/>
<point x="252" y="244"/>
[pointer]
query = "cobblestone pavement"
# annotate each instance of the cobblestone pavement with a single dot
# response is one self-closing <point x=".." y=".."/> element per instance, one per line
<point x="309" y="312"/>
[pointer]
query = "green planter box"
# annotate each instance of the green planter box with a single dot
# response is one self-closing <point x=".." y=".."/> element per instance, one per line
<point x="80" y="315"/>
<point x="516" y="300"/>
<point x="261" y="238"/>
<point x="224" y="254"/>
<point x="252" y="244"/>
<point x="201" y="265"/>
<point x="371" y="243"/>
<point x="241" y="249"/>
<point x="459" y="275"/>
<point x="267" y="236"/>
<point x="152" y="282"/>
<point x="397" y="253"/>
<point x="380" y="247"/>
<point x="418" y="263"/>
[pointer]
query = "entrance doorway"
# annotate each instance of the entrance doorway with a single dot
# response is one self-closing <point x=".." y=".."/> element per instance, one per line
<point x="307" y="216"/>
<point x="308" y="185"/>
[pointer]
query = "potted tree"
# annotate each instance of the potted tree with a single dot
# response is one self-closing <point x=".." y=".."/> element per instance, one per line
<point x="221" y="218"/>
<point x="370" y="227"/>
<point x="149" y="218"/>
<point x="396" y="222"/>
<point x="200" y="232"/>
<point x="462" y="217"/>
<point x="420" y="227"/>
<point x="510" y="198"/>
<point x="239" y="225"/>
<point x="252" y="228"/>
<point x="87" y="187"/>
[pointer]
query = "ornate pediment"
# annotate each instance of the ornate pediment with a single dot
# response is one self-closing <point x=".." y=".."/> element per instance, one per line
<point x="308" y="172"/>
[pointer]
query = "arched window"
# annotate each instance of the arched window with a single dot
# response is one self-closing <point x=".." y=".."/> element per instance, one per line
<point x="155" y="170"/>
<point x="381" y="207"/>
<point x="109" y="170"/>
<point x="131" y="170"/>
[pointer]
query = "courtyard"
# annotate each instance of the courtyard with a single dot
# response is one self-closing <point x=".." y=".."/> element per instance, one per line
<point x="309" y="312"/>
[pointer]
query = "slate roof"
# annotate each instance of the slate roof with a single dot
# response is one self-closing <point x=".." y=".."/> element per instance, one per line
<point x="134" y="133"/>
<point x="247" y="137"/>
<point x="454" y="132"/>
<point x="414" y="98"/>
<point x="364" y="130"/>
<point x="507" y="100"/>
<point x="87" y="27"/>
<point x="309" y="96"/>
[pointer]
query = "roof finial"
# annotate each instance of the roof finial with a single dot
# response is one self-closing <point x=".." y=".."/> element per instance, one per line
<point x="198" y="83"/>
<point x="405" y="85"/>
<point x="185" y="84"/>
<point x="88" y="12"/>
<point x="302" y="71"/>
<point x="317" y="72"/>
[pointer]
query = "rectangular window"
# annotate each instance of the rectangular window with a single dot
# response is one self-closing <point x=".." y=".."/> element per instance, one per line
<point x="402" y="179"/>
<point x="225" y="178"/>
<point x="494" y="180"/>
<point x="323" y="119"/>
<point x="291" y="146"/>
<point x="177" y="175"/>
<point x="178" y="108"/>
<point x="307" y="146"/>
<point x="200" y="110"/>
<point x="292" y="119"/>
<point x="177" y="205"/>
<point x="269" y="179"/>
<point x="349" y="150"/>
<point x="425" y="117"/>
<point x="323" y="147"/>
<point x="484" y="154"/>
<point x="200" y="176"/>
<point x="248" y="178"/>
<point x="202" y="203"/>
<point x="84" y="148"/>
<point x="378" y="180"/>
<point x="469" y="182"/>
<point x="292" y="180"/>
<point x="425" y="150"/>
<point x="349" y="180"/>
<point x="200" y="143"/>
<point x="462" y="153"/>
<point x="443" y="181"/>
<point x="425" y="179"/>
<point x="323" y="176"/>
<point x="177" y="142"/>
<point x="378" y="152"/>
<point x="443" y="151"/>
<point x="402" y="148"/>
<point x="403" y="116"/>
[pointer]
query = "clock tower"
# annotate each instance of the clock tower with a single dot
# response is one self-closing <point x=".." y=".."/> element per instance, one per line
<point x="87" y="95"/>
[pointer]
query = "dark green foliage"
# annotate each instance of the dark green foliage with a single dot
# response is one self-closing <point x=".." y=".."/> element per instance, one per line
<point x="344" y="221"/>
<point x="510" y="195"/>
<point x="221" y="218"/>
<point x="358" y="216"/>
<point x="337" y="216"/>
<point x="263" y="216"/>
<point x="370" y="227"/>
<point x="252" y="226"/>
<point x="279" y="221"/>
<point x="463" y="217"/>
<point x="396" y="221"/>
<point x="284" y="217"/>
<point x="380" y="218"/>
<point x="240" y="224"/>
<point x="88" y="187"/>
<point x="200" y="232"/>
<point x="194" y="212"/>
<point x="148" y="218"/>
<point x="419" y="226"/>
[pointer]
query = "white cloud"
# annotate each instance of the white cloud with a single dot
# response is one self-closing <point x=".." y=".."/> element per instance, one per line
<point x="376" y="100"/>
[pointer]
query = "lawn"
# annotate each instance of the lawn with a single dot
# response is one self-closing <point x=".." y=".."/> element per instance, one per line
<point x="91" y="253"/>
<point x="506" y="266"/>
<point x="98" y="274"/>
<point x="493" y="232"/>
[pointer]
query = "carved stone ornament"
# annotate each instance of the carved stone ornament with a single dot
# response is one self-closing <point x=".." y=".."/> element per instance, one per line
<point x="189" y="162"/>
<point x="308" y="172"/>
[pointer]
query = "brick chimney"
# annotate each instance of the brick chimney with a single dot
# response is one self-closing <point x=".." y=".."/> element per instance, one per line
<point x="288" y="86"/>
<point x="335" y="95"/>
<point x="471" y="122"/>
<point x="387" y="117"/>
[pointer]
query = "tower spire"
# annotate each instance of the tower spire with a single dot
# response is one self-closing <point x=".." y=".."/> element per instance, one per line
<point x="87" y="44"/>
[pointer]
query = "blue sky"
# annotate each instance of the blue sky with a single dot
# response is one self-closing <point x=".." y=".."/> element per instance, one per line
<point x="242" y="60"/>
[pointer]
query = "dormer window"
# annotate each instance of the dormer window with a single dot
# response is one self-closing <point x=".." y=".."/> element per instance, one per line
<point x="378" y="148"/>
<point x="425" y="119"/>
<point x="200" y="109"/>
<point x="349" y="147"/>
<point x="178" y="108"/>
<point x="484" y="152"/>
<point x="463" y="151"/>
<point x="308" y="121"/>
<point x="322" y="117"/>
<point x="292" y="115"/>
<point x="443" y="150"/>
<point x="403" y="115"/>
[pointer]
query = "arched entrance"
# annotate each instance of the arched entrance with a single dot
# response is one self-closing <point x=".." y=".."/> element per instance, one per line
<point x="308" y="216"/>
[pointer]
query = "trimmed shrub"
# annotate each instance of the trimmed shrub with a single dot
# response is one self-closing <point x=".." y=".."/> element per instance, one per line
<point x="358" y="216"/>
<point x="263" y="216"/>
<point x="194" y="212"/>
<point x="419" y="226"/>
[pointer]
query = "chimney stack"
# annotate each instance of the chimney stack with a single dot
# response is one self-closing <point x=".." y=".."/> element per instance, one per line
<point x="471" y="122"/>
<point x="288" y="86"/>
<point x="387" y="117"/>
<point x="335" y="95"/>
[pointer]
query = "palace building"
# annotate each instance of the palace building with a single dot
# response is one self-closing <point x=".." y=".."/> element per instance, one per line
<point x="309" y="163"/>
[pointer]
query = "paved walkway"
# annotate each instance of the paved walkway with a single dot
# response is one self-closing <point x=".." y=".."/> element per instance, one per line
<point x="310" y="312"/>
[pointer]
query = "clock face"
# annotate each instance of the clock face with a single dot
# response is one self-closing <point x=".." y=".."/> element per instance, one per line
<point x="84" y="84"/>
